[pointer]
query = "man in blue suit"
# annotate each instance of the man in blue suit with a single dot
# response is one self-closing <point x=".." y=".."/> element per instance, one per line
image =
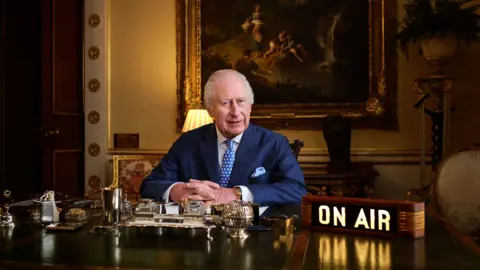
<point x="230" y="159"/>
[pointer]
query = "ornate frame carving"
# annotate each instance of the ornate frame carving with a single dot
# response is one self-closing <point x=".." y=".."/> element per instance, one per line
<point x="378" y="112"/>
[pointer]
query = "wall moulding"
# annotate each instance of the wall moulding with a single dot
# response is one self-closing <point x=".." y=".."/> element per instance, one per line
<point x="311" y="157"/>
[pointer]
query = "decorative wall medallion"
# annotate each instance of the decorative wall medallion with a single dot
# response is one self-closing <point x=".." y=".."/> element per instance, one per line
<point x="94" y="182"/>
<point x="94" y="20"/>
<point x="94" y="149"/>
<point x="93" y="52"/>
<point x="93" y="117"/>
<point x="94" y="85"/>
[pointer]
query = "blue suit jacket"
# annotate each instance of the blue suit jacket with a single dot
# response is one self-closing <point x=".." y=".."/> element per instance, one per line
<point x="195" y="156"/>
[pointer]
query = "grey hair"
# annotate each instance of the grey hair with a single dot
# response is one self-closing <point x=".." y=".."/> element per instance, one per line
<point x="210" y="86"/>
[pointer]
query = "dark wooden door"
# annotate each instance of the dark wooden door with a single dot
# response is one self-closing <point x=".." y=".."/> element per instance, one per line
<point x="41" y="102"/>
<point x="62" y="121"/>
<point x="21" y="40"/>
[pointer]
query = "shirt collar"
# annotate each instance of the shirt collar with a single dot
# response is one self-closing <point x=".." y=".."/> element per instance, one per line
<point x="221" y="138"/>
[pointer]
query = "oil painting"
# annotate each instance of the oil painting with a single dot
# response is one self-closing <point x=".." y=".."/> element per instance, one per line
<point x="290" y="51"/>
<point x="305" y="59"/>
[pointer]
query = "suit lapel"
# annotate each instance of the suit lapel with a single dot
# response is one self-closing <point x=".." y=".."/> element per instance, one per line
<point x="209" y="149"/>
<point x="244" y="156"/>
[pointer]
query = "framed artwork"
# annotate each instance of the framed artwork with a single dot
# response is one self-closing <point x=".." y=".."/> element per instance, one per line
<point x="126" y="140"/>
<point x="305" y="59"/>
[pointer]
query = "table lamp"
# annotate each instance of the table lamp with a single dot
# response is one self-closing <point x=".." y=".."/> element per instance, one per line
<point x="196" y="118"/>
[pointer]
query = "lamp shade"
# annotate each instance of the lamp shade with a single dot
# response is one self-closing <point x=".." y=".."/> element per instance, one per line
<point x="195" y="119"/>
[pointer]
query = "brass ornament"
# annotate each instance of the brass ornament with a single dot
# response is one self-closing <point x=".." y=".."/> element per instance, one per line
<point x="93" y="52"/>
<point x="381" y="84"/>
<point x="93" y="117"/>
<point x="194" y="100"/>
<point x="93" y="85"/>
<point x="94" y="20"/>
<point x="374" y="106"/>
<point x="94" y="149"/>
<point x="94" y="182"/>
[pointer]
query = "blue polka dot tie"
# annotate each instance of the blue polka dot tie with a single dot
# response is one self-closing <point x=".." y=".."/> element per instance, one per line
<point x="227" y="164"/>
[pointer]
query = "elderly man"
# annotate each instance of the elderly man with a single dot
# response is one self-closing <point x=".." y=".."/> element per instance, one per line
<point x="230" y="159"/>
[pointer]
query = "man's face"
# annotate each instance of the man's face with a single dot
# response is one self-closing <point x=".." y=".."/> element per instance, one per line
<point x="230" y="107"/>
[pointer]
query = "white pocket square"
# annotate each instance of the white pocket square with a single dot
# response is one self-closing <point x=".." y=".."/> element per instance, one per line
<point x="258" y="171"/>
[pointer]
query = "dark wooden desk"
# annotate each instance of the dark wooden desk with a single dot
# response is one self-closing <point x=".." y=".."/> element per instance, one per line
<point x="147" y="249"/>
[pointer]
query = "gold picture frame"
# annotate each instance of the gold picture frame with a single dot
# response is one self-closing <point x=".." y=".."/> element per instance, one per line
<point x="378" y="111"/>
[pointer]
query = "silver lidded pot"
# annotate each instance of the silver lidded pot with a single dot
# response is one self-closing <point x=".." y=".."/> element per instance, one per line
<point x="236" y="217"/>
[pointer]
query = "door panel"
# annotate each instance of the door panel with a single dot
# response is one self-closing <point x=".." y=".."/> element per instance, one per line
<point x="64" y="163"/>
<point x="62" y="96"/>
<point x="67" y="57"/>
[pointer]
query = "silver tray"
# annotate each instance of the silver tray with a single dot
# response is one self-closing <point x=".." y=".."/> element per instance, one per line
<point x="188" y="223"/>
<point x="185" y="222"/>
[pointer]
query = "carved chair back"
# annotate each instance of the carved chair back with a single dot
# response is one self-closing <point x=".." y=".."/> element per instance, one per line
<point x="129" y="172"/>
<point x="296" y="147"/>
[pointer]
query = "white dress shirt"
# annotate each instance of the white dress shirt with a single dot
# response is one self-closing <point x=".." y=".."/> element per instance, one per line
<point x="222" y="147"/>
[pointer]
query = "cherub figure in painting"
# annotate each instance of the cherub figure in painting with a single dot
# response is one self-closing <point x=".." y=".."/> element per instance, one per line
<point x="275" y="50"/>
<point x="283" y="45"/>
<point x="275" y="45"/>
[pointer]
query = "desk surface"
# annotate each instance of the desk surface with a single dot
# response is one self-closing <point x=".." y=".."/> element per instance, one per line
<point x="130" y="248"/>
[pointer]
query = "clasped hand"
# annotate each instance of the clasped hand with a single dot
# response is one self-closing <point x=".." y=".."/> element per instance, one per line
<point x="202" y="190"/>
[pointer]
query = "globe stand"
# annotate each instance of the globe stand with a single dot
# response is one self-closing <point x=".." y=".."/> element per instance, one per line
<point x="437" y="86"/>
<point x="437" y="52"/>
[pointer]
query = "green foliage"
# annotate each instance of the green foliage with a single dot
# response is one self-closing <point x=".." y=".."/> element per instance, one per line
<point x="428" y="18"/>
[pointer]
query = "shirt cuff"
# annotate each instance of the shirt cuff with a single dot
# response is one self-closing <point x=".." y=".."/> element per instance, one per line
<point x="166" y="194"/>
<point x="247" y="195"/>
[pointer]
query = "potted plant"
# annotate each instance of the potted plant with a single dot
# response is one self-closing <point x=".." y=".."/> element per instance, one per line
<point x="439" y="26"/>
